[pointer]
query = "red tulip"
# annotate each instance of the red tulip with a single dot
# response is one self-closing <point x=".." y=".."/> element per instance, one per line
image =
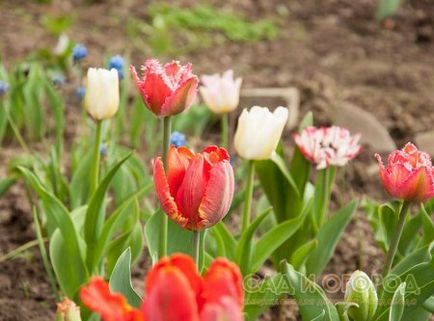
<point x="196" y="190"/>
<point x="409" y="174"/>
<point x="175" y="291"/>
<point x="166" y="90"/>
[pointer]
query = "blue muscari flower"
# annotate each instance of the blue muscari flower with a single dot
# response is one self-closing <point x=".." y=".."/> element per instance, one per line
<point x="103" y="150"/>
<point x="58" y="80"/>
<point x="4" y="87"/>
<point x="79" y="52"/>
<point x="177" y="139"/>
<point x="81" y="91"/>
<point x="117" y="62"/>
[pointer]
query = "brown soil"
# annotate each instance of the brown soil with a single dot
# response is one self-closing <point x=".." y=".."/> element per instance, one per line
<point x="329" y="49"/>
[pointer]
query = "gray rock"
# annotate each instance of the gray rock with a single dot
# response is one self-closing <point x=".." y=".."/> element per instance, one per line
<point x="273" y="97"/>
<point x="360" y="121"/>
<point x="425" y="141"/>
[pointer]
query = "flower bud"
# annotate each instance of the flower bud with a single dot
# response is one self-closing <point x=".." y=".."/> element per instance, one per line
<point x="259" y="131"/>
<point x="102" y="93"/>
<point x="67" y="311"/>
<point x="361" y="291"/>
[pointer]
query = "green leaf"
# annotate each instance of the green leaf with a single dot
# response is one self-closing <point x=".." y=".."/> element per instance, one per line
<point x="427" y="224"/>
<point x="244" y="248"/>
<point x="5" y="184"/>
<point x="79" y="186"/>
<point x="95" y="214"/>
<point x="152" y="228"/>
<point x="387" y="8"/>
<point x="222" y="233"/>
<point x="120" y="280"/>
<point x="311" y="298"/>
<point x="274" y="238"/>
<point x="328" y="237"/>
<point x="66" y="246"/>
<point x="300" y="255"/>
<point x="397" y="304"/>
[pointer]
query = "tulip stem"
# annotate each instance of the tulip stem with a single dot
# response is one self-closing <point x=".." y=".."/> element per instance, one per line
<point x="396" y="237"/>
<point x="96" y="158"/>
<point x="248" y="195"/>
<point x="196" y="247"/>
<point x="225" y="130"/>
<point x="167" y="124"/>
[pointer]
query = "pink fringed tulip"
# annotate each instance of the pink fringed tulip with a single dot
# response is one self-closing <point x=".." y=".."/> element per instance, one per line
<point x="196" y="190"/>
<point x="408" y="175"/>
<point x="327" y="146"/>
<point x="166" y="90"/>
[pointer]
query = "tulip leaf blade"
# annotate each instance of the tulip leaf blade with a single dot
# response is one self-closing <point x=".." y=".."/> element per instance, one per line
<point x="227" y="239"/>
<point x="274" y="238"/>
<point x="328" y="237"/>
<point x="397" y="304"/>
<point x="64" y="239"/>
<point x="301" y="254"/>
<point x="244" y="247"/>
<point x="306" y="291"/>
<point x="95" y="214"/>
<point x="120" y="280"/>
<point x="152" y="234"/>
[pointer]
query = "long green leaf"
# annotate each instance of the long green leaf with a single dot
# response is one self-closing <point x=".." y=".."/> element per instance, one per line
<point x="120" y="280"/>
<point x="328" y="237"/>
<point x="311" y="298"/>
<point x="397" y="304"/>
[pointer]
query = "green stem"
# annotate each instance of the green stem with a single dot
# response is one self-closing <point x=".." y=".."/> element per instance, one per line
<point x="225" y="130"/>
<point x="44" y="255"/>
<point x="248" y="195"/>
<point x="96" y="159"/>
<point x="196" y="247"/>
<point x="395" y="238"/>
<point x="167" y="124"/>
<point x="17" y="133"/>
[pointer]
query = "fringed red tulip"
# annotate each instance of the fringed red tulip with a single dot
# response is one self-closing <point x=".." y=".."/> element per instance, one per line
<point x="175" y="291"/>
<point x="408" y="175"/>
<point x="196" y="190"/>
<point x="166" y="89"/>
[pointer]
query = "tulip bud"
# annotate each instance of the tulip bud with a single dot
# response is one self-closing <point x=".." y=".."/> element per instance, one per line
<point x="67" y="311"/>
<point x="361" y="291"/>
<point x="221" y="93"/>
<point x="259" y="131"/>
<point x="102" y="93"/>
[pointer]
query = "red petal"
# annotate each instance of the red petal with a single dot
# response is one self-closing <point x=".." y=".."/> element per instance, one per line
<point x="418" y="186"/>
<point x="218" y="194"/>
<point x="112" y="307"/>
<point x="227" y="310"/>
<point x="163" y="193"/>
<point x="216" y="154"/>
<point x="178" y="160"/>
<point x="192" y="189"/>
<point x="181" y="98"/>
<point x="171" y="69"/>
<point x="170" y="298"/>
<point x="222" y="279"/>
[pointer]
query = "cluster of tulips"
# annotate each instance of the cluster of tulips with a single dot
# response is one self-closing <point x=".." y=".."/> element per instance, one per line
<point x="196" y="191"/>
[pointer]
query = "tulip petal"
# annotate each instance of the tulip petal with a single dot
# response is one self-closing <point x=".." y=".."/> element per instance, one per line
<point x="417" y="186"/>
<point x="181" y="98"/>
<point x="183" y="263"/>
<point x="227" y="310"/>
<point x="163" y="193"/>
<point x="178" y="160"/>
<point x="111" y="306"/>
<point x="222" y="279"/>
<point x="218" y="195"/>
<point x="191" y="191"/>
<point x="170" y="298"/>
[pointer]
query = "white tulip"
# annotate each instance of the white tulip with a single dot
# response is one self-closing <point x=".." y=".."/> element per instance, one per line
<point x="259" y="132"/>
<point x="102" y="93"/>
<point x="221" y="93"/>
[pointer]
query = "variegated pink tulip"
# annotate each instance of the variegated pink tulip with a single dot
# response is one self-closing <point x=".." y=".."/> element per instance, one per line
<point x="196" y="190"/>
<point x="221" y="93"/>
<point x="327" y="146"/>
<point x="166" y="89"/>
<point x="408" y="175"/>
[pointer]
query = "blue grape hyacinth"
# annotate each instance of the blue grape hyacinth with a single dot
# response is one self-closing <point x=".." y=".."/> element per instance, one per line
<point x="4" y="87"/>
<point x="79" y="52"/>
<point x="177" y="139"/>
<point x="117" y="62"/>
